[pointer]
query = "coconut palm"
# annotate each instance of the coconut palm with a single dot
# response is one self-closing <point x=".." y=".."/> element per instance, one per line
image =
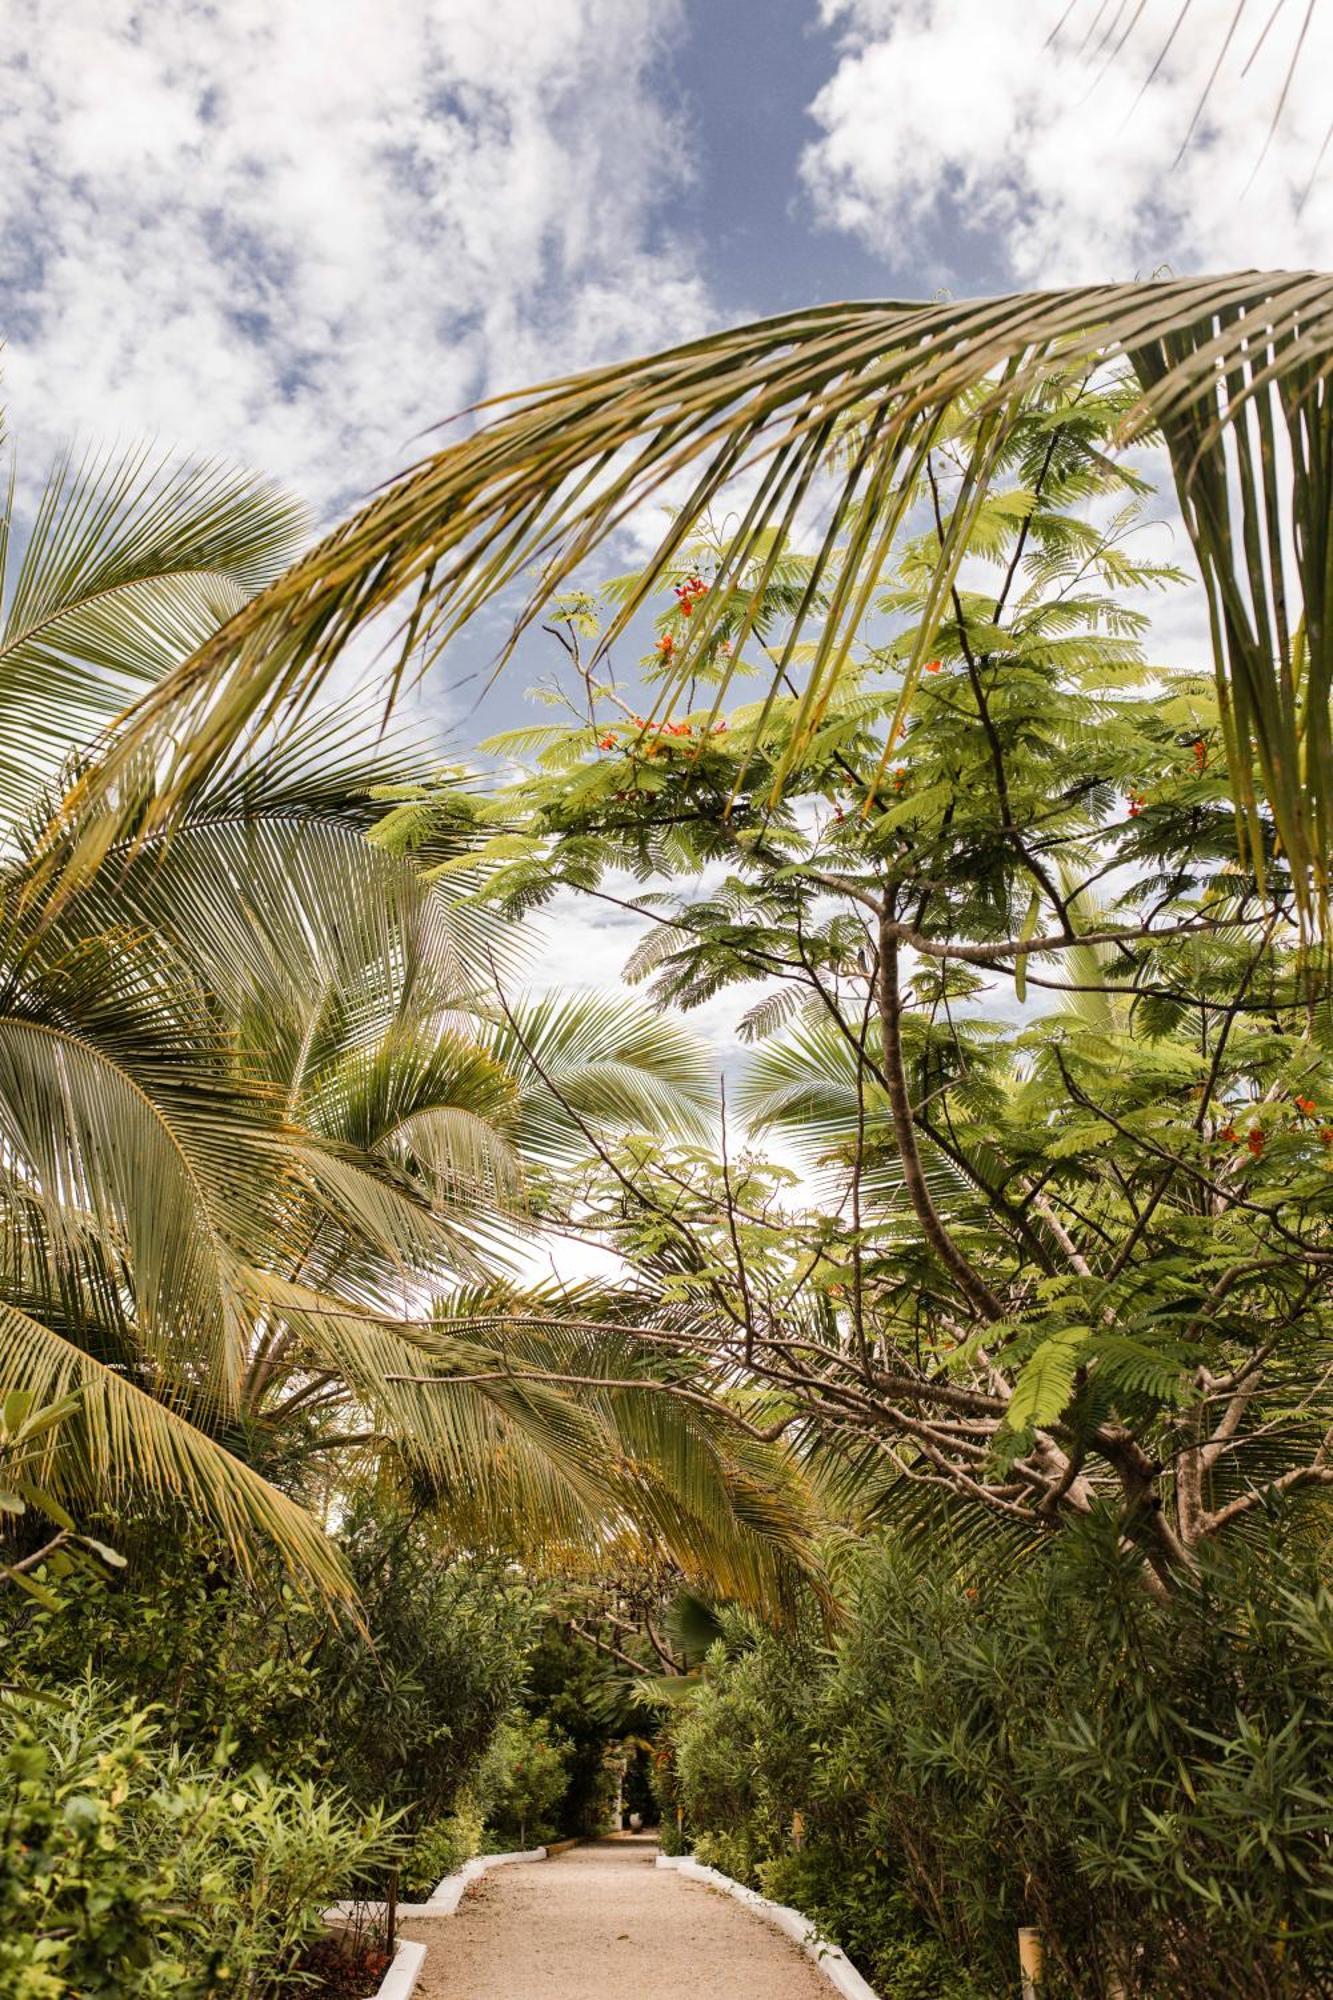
<point x="265" y="1124"/>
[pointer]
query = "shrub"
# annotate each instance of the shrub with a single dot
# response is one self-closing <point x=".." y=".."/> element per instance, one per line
<point x="525" y="1774"/>
<point x="1148" y="1781"/>
<point x="400" y="1712"/>
<point x="439" y="1848"/>
<point x="132" y="1870"/>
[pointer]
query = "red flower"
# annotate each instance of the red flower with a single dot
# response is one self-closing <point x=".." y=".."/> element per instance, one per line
<point x="1230" y="1134"/>
<point x="1306" y="1106"/>
<point x="678" y="728"/>
<point x="933" y="666"/>
<point x="606" y="743"/>
<point x="1200" y="754"/>
<point x="666" y="645"/>
<point x="1327" y="1135"/>
<point x="1254" y="1139"/>
<point x="1137" y="801"/>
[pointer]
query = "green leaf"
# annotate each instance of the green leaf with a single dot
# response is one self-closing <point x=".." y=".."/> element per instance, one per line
<point x="1047" y="1379"/>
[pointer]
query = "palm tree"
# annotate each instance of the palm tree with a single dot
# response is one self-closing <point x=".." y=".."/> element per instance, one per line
<point x="284" y="1127"/>
<point x="838" y="405"/>
<point x="260" y="1120"/>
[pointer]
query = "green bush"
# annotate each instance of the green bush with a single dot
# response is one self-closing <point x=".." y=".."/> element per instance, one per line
<point x="440" y="1847"/>
<point x="1150" y="1782"/>
<point x="131" y="1870"/>
<point x="525" y="1777"/>
<point x="399" y="1711"/>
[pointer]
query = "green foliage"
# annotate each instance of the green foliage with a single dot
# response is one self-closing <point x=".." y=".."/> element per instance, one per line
<point x="439" y="1848"/>
<point x="525" y="1778"/>
<point x="1058" y="1067"/>
<point x="29" y="1435"/>
<point x="129" y="1870"/>
<point x="584" y="1699"/>
<point x="1150" y="1781"/>
<point x="400" y="1713"/>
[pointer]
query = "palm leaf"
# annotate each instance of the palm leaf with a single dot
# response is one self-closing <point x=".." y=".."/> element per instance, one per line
<point x="122" y="1441"/>
<point x="132" y="563"/>
<point x="1229" y="366"/>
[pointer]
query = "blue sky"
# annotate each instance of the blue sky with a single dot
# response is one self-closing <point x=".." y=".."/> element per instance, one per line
<point x="301" y="236"/>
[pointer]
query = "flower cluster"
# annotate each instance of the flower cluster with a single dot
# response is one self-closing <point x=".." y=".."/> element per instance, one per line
<point x="686" y="593"/>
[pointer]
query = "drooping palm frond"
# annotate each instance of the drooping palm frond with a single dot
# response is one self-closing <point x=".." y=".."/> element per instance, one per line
<point x="131" y="563"/>
<point x="1234" y="369"/>
<point x="123" y="1441"/>
<point x="539" y="1426"/>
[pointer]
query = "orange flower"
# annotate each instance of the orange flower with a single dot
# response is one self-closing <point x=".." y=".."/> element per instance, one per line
<point x="606" y="743"/>
<point x="1230" y="1134"/>
<point x="933" y="666"/>
<point x="1254" y="1139"/>
<point x="1137" y="802"/>
<point x="1326" y="1135"/>
<point x="666" y="645"/>
<point x="1200" y="754"/>
<point x="1306" y="1106"/>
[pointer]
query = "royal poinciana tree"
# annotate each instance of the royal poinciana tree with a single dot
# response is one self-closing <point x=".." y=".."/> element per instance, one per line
<point x="1056" y="1063"/>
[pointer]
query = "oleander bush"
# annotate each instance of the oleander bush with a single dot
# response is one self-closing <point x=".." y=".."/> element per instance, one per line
<point x="399" y="1709"/>
<point x="441" y="1846"/>
<point x="526" y="1776"/>
<point x="1147" y="1779"/>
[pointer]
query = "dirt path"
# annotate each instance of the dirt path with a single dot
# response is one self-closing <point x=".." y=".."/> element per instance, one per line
<point x="601" y="1922"/>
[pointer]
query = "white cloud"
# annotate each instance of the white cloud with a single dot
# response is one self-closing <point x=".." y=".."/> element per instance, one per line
<point x="302" y="235"/>
<point x="962" y="115"/>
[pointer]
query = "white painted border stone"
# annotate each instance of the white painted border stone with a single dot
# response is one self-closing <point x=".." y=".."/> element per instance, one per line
<point x="399" y="1982"/>
<point x="834" y="1963"/>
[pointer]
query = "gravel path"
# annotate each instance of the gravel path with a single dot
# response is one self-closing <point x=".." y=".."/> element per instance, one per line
<point x="601" y="1922"/>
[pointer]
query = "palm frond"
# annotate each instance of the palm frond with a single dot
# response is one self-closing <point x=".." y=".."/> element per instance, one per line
<point x="1228" y="367"/>
<point x="595" y="1060"/>
<point x="124" y="1441"/>
<point x="131" y="564"/>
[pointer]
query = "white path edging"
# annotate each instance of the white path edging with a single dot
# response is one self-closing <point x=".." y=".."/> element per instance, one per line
<point x="834" y="1963"/>
<point x="400" y="1980"/>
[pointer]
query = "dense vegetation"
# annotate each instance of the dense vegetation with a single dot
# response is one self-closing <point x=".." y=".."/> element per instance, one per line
<point x="939" y="1508"/>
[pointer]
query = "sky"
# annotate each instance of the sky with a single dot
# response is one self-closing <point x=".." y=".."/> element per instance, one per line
<point x="305" y="236"/>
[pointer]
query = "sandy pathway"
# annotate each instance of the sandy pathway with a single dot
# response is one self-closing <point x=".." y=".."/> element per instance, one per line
<point x="602" y="1921"/>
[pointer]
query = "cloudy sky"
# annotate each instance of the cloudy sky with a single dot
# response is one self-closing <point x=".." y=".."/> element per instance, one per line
<point x="303" y="235"/>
